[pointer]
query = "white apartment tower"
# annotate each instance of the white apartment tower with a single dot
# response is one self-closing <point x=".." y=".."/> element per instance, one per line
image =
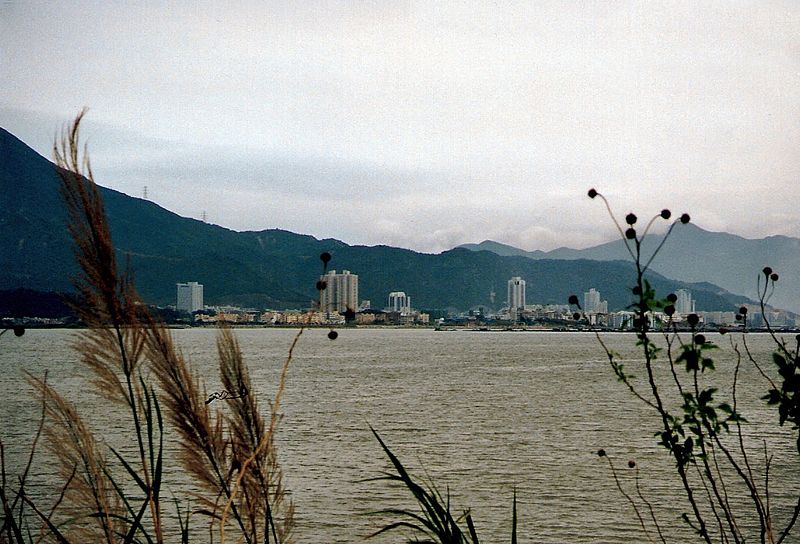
<point x="399" y="302"/>
<point x="340" y="293"/>
<point x="684" y="305"/>
<point x="190" y="297"/>
<point x="592" y="303"/>
<point x="516" y="293"/>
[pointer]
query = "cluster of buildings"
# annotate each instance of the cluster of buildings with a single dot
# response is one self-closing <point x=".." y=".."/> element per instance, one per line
<point x="594" y="311"/>
<point x="339" y="304"/>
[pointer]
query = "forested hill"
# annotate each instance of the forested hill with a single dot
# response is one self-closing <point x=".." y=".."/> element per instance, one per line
<point x="271" y="268"/>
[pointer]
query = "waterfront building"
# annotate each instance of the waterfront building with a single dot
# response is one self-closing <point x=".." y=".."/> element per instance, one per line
<point x="684" y="305"/>
<point x="340" y="293"/>
<point x="516" y="293"/>
<point x="399" y="302"/>
<point x="592" y="303"/>
<point x="190" y="297"/>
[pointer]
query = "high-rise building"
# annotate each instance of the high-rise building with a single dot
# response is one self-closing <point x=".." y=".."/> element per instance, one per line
<point x="516" y="293"/>
<point x="399" y="302"/>
<point x="340" y="293"/>
<point x="190" y="297"/>
<point x="684" y="305"/>
<point x="592" y="303"/>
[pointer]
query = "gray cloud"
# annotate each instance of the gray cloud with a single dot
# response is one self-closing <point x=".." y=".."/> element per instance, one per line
<point x="424" y="125"/>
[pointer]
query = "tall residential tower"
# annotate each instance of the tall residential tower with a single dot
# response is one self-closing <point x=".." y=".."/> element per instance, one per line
<point x="190" y="297"/>
<point x="340" y="293"/>
<point x="516" y="293"/>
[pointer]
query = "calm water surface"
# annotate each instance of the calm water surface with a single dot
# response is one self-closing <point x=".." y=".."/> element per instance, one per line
<point x="481" y="412"/>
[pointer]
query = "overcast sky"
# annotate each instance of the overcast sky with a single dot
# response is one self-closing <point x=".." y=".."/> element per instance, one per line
<point x="419" y="124"/>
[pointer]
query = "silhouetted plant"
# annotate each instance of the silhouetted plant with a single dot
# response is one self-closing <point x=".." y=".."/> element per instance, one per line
<point x="434" y="521"/>
<point x="699" y="436"/>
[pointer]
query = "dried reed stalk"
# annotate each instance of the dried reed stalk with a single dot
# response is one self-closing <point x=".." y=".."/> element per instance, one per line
<point x="253" y="447"/>
<point x="121" y="340"/>
<point x="90" y="497"/>
<point x="113" y="344"/>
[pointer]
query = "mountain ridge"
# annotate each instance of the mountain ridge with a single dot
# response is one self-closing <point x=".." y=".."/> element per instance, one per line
<point x="271" y="268"/>
<point x="694" y="254"/>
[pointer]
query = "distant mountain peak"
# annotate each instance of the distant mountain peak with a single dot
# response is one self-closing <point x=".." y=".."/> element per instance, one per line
<point x="694" y="254"/>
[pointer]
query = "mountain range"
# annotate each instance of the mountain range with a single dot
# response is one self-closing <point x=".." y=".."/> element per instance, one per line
<point x="276" y="268"/>
<point x="692" y="254"/>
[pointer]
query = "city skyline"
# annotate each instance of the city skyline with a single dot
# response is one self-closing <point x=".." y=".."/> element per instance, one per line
<point x="423" y="126"/>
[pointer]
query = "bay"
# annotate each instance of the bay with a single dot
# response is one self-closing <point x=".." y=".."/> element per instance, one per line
<point x="481" y="413"/>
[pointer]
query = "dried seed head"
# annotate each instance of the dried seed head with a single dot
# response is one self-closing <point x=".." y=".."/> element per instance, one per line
<point x="767" y="271"/>
<point x="19" y="330"/>
<point x="773" y="276"/>
<point x="672" y="297"/>
<point x="630" y="234"/>
<point x="630" y="219"/>
<point x="666" y="214"/>
<point x="699" y="339"/>
<point x="743" y="310"/>
<point x="669" y="309"/>
<point x="333" y="335"/>
<point x="631" y="463"/>
<point x="576" y="316"/>
<point x="592" y="193"/>
<point x="693" y="319"/>
<point x="601" y="452"/>
<point x="573" y="299"/>
<point x="325" y="257"/>
<point x="685" y="218"/>
<point x="321" y="285"/>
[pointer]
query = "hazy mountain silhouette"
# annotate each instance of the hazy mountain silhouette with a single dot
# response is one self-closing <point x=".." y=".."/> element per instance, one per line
<point x="693" y="254"/>
<point x="271" y="268"/>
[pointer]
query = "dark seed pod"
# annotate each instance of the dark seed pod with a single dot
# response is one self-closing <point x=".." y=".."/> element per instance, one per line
<point x="630" y="234"/>
<point x="325" y="257"/>
<point x="723" y="330"/>
<point x="699" y="339"/>
<point x="19" y="330"/>
<point x="672" y="297"/>
<point x="321" y="285"/>
<point x="601" y="452"/>
<point x="738" y="317"/>
<point x="669" y="309"/>
<point x="573" y="299"/>
<point x="743" y="310"/>
<point x="637" y="290"/>
<point x="630" y="219"/>
<point x="631" y="463"/>
<point x="685" y="218"/>
<point x="592" y="193"/>
<point x="693" y="319"/>
<point x="333" y="335"/>
<point x="767" y="270"/>
<point x="666" y="214"/>
<point x="773" y="276"/>
<point x="576" y="316"/>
